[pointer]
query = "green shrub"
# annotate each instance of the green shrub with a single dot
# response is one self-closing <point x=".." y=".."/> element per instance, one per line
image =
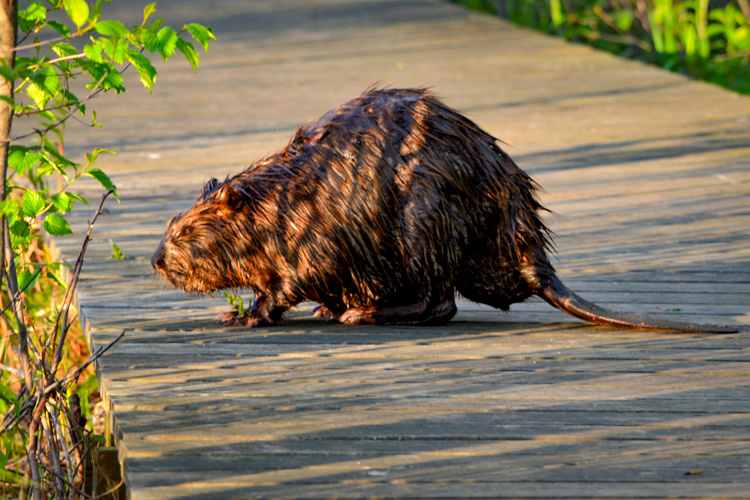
<point x="706" y="40"/>
<point x="43" y="384"/>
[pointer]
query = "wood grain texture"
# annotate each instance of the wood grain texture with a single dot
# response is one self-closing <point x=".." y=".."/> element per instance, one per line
<point x="648" y="175"/>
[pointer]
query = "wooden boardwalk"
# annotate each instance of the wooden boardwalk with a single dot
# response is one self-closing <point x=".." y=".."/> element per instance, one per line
<point x="648" y="173"/>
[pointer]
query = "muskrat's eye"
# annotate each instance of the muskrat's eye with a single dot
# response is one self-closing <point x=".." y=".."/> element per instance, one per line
<point x="186" y="231"/>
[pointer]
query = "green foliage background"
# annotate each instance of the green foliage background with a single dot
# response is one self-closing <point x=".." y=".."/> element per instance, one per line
<point x="706" y="39"/>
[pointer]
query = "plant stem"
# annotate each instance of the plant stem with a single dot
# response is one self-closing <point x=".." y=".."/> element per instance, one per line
<point x="61" y="321"/>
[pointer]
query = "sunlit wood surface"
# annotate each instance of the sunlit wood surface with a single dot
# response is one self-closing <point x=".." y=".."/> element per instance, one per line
<point x="648" y="174"/>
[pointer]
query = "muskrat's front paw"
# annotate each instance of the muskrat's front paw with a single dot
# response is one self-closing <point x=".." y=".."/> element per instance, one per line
<point x="228" y="318"/>
<point x="249" y="320"/>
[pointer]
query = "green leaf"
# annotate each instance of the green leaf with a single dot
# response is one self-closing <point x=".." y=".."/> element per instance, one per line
<point x="10" y="208"/>
<point x="148" y="10"/>
<point x="624" y="20"/>
<point x="116" y="251"/>
<point x="157" y="24"/>
<point x="11" y="102"/>
<point x="144" y="67"/>
<point x="167" y="42"/>
<point x="63" y="202"/>
<point x="7" y="395"/>
<point x="32" y="14"/>
<point x="56" y="225"/>
<point x="43" y="86"/>
<point x="201" y="34"/>
<point x="91" y="157"/>
<point x="21" y="158"/>
<point x="116" y="49"/>
<point x="94" y="52"/>
<point x="80" y="198"/>
<point x="51" y="150"/>
<point x="19" y="230"/>
<point x="111" y="28"/>
<point x="106" y="72"/>
<point x="55" y="277"/>
<point x="48" y="115"/>
<point x="64" y="49"/>
<point x="33" y="203"/>
<point x="60" y="28"/>
<point x="190" y="53"/>
<point x="236" y="302"/>
<point x="104" y="180"/>
<point x="149" y="40"/>
<point x="26" y="280"/>
<point x="78" y="11"/>
<point x="7" y="72"/>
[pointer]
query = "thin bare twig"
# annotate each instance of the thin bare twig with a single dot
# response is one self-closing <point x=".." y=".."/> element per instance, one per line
<point x="53" y="454"/>
<point x="7" y="368"/>
<point x="745" y="7"/>
<point x="58" y="59"/>
<point x="32" y="451"/>
<point x="72" y="376"/>
<point x="11" y="417"/>
<point x="63" y="442"/>
<point x="78" y="491"/>
<point x="68" y="298"/>
<point x="17" y="296"/>
<point x="44" y="42"/>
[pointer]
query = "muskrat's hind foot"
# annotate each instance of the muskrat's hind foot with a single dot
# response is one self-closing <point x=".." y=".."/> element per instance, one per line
<point x="414" y="314"/>
<point x="322" y="311"/>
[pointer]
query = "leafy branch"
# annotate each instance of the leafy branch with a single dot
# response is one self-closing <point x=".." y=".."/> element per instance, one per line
<point x="42" y="439"/>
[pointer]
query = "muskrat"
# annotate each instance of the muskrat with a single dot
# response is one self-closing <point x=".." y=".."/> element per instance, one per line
<point x="379" y="211"/>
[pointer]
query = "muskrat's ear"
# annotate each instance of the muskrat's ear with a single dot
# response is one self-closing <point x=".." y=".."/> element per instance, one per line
<point x="231" y="196"/>
<point x="208" y="188"/>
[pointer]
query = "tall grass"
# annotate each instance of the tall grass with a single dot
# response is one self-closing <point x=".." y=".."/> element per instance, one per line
<point x="706" y="39"/>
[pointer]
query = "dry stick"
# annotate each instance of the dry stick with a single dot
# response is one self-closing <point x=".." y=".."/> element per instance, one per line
<point x="44" y="42"/>
<point x="78" y="491"/>
<point x="61" y="437"/>
<point x="745" y="6"/>
<point x="72" y="413"/>
<point x="32" y="463"/>
<point x="68" y="298"/>
<point x="78" y="370"/>
<point x="53" y="454"/>
<point x="30" y="404"/>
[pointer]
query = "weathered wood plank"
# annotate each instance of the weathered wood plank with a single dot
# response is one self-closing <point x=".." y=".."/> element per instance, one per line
<point x="225" y="485"/>
<point x="649" y="173"/>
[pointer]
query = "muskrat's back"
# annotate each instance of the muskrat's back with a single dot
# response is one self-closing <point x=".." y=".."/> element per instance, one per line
<point x="417" y="197"/>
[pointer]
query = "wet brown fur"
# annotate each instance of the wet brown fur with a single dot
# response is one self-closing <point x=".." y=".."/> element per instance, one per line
<point x="379" y="211"/>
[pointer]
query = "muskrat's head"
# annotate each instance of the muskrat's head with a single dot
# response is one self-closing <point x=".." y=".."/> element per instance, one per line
<point x="199" y="252"/>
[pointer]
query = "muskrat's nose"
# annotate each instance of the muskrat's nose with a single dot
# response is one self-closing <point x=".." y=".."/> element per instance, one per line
<point x="157" y="261"/>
